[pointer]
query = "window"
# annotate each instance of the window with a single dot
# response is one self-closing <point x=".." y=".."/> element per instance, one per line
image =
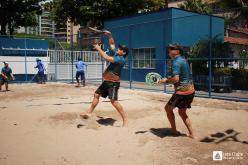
<point x="144" y="58"/>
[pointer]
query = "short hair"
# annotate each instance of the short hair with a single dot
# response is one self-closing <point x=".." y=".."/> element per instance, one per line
<point x="124" y="48"/>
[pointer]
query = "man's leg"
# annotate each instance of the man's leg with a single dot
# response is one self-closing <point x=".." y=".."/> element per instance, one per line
<point x="39" y="78"/>
<point x="43" y="77"/>
<point x="83" y="78"/>
<point x="171" y="117"/>
<point x="92" y="106"/>
<point x="77" y="78"/>
<point x="6" y="86"/>
<point x="119" y="108"/>
<point x="187" y="122"/>
<point x="1" y="84"/>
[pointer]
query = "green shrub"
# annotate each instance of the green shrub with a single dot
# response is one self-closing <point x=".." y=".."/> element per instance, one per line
<point x="223" y="71"/>
<point x="240" y="79"/>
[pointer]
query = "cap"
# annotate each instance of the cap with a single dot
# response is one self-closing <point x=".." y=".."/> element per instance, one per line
<point x="175" y="46"/>
<point x="5" y="62"/>
<point x="124" y="48"/>
<point x="37" y="59"/>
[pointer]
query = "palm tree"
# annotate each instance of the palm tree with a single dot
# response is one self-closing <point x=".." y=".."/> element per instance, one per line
<point x="195" y="5"/>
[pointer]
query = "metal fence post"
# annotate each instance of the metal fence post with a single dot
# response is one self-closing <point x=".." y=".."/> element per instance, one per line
<point x="102" y="69"/>
<point x="164" y="51"/>
<point x="26" y="67"/>
<point x="210" y="57"/>
<point x="130" y="58"/>
<point x="165" y="71"/>
<point x="130" y="61"/>
<point x="72" y="58"/>
<point x="56" y="60"/>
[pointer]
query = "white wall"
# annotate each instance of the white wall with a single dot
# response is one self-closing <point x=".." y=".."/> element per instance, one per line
<point x="17" y="64"/>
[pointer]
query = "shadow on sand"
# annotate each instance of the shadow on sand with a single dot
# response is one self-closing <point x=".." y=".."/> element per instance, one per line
<point x="219" y="137"/>
<point x="106" y="121"/>
<point x="162" y="132"/>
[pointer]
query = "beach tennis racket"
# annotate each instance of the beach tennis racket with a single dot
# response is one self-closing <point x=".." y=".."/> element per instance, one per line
<point x="153" y="78"/>
<point x="97" y="30"/>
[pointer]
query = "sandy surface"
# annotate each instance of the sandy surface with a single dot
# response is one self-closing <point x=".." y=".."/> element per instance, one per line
<point x="39" y="125"/>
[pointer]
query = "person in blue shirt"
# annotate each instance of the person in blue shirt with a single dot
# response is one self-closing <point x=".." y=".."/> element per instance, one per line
<point x="111" y="76"/>
<point x="80" y="71"/>
<point x="41" y="69"/>
<point x="5" y="76"/>
<point x="184" y="89"/>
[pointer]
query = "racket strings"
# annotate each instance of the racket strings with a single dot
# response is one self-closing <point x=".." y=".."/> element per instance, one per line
<point x="153" y="78"/>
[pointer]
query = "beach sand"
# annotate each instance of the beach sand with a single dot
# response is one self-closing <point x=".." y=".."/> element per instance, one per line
<point x="40" y="125"/>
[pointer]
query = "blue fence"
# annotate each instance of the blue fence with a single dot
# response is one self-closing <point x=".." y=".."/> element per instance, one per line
<point x="219" y="69"/>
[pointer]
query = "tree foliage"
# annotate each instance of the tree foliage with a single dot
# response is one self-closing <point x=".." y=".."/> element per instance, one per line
<point x="15" y="13"/>
<point x="219" y="48"/>
<point x="239" y="9"/>
<point x="94" y="12"/>
<point x="196" y="6"/>
<point x="201" y="51"/>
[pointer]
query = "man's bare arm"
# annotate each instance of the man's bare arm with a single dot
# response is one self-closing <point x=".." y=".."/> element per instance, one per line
<point x="111" y="39"/>
<point x="103" y="54"/>
<point x="12" y="76"/>
<point x="171" y="80"/>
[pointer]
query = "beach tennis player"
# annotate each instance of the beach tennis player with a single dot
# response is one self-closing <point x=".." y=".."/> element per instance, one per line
<point x="110" y="86"/>
<point x="5" y="76"/>
<point x="184" y="89"/>
<point x="80" y="66"/>
<point x="41" y="71"/>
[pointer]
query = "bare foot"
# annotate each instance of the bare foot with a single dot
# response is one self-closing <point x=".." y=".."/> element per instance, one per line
<point x="125" y="124"/>
<point x="85" y="115"/>
<point x="192" y="136"/>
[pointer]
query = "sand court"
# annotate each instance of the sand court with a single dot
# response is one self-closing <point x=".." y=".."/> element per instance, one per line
<point x="40" y="124"/>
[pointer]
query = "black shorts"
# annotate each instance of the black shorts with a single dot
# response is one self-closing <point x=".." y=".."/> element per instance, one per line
<point x="110" y="89"/>
<point x="181" y="101"/>
<point x="3" y="81"/>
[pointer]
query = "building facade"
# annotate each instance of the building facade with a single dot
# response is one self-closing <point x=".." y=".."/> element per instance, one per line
<point x="47" y="27"/>
<point x="148" y="34"/>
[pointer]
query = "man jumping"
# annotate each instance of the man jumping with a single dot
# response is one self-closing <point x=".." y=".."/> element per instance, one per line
<point x="111" y="76"/>
<point x="184" y="89"/>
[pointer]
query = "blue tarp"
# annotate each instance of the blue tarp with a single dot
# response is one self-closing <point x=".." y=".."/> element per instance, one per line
<point x="22" y="43"/>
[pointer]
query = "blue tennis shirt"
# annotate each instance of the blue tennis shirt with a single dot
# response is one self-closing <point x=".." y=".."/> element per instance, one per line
<point x="80" y="66"/>
<point x="113" y="71"/>
<point x="181" y="67"/>
<point x="40" y="66"/>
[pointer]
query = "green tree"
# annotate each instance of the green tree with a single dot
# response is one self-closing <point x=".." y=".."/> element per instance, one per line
<point x="201" y="51"/>
<point x="94" y="12"/>
<point x="15" y="13"/>
<point x="220" y="49"/>
<point x="195" y="6"/>
<point x="239" y="9"/>
<point x="48" y="6"/>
